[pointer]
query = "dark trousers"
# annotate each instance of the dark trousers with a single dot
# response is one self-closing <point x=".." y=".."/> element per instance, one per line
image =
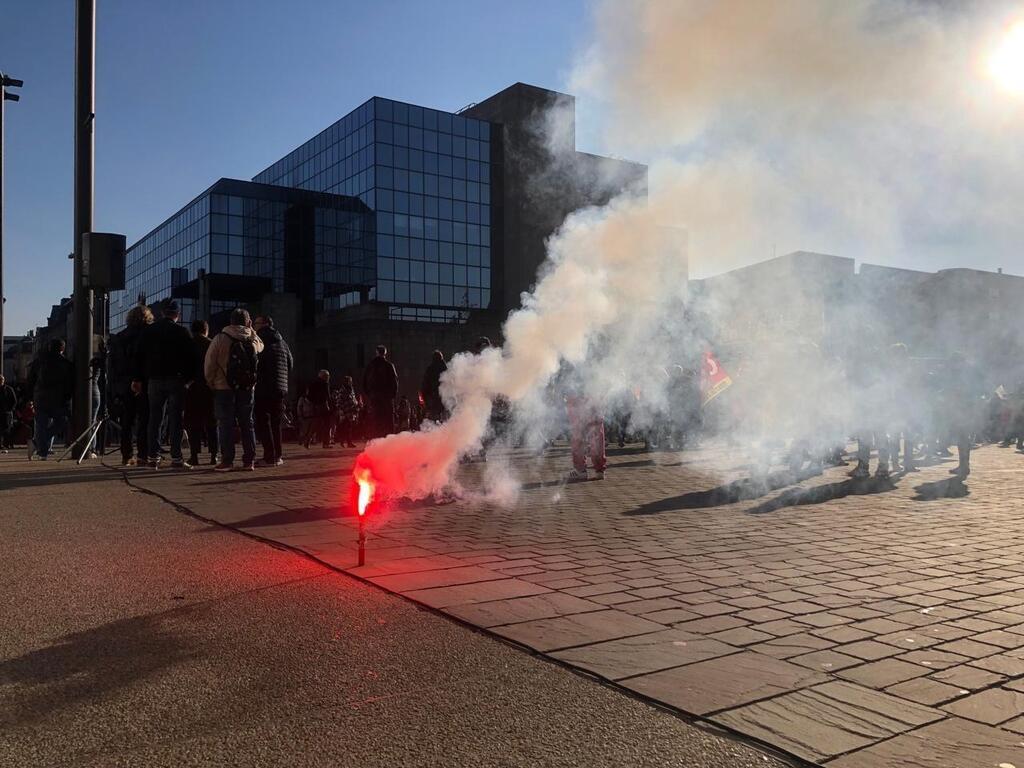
<point x="170" y="393"/>
<point x="231" y="406"/>
<point x="6" y="429"/>
<point x="382" y="413"/>
<point x="50" y="424"/>
<point x="199" y="426"/>
<point x="269" y="412"/>
<point x="134" y="416"/>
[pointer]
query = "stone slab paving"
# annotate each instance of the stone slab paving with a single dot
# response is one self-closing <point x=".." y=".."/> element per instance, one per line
<point x="849" y="623"/>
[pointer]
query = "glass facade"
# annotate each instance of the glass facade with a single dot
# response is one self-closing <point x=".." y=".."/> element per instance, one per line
<point x="427" y="175"/>
<point x="254" y="237"/>
<point x="391" y="204"/>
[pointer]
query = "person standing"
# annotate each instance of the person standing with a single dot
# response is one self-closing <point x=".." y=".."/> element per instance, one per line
<point x="380" y="383"/>
<point x="964" y="401"/>
<point x="51" y="380"/>
<point x="586" y="429"/>
<point x="430" y="388"/>
<point x="8" y="402"/>
<point x="231" y="369"/>
<point x="166" y="362"/>
<point x="320" y="396"/>
<point x="132" y="409"/>
<point x="272" y="376"/>
<point x="199" y="421"/>
<point x="346" y="405"/>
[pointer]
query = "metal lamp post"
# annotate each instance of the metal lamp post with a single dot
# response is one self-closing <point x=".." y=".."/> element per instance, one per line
<point x="5" y="83"/>
<point x="85" y="93"/>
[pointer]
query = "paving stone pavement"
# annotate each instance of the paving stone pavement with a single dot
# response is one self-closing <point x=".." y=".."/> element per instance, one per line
<point x="849" y="623"/>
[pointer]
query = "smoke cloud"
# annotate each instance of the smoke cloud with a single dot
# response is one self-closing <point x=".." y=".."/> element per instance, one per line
<point x="864" y="128"/>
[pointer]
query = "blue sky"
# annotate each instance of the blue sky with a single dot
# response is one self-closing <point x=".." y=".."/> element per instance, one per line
<point x="189" y="91"/>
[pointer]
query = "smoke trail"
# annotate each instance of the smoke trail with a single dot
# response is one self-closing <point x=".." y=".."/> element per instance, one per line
<point x="861" y="127"/>
<point x="609" y="269"/>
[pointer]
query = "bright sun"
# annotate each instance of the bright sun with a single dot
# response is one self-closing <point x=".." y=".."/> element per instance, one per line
<point x="1006" y="64"/>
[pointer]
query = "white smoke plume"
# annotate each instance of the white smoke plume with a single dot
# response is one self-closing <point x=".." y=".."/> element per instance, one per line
<point x="862" y="127"/>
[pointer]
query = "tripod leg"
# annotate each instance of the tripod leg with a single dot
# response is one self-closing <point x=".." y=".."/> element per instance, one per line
<point x="89" y="443"/>
<point x="76" y="441"/>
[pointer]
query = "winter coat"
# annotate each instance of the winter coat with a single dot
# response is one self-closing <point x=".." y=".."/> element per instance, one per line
<point x="121" y="357"/>
<point x="275" y="365"/>
<point x="320" y="395"/>
<point x="306" y="409"/>
<point x="51" y="379"/>
<point x="380" y="380"/>
<point x="345" y="403"/>
<point x="165" y="351"/>
<point x="215" y="366"/>
<point x="431" y="386"/>
<point x="8" y="399"/>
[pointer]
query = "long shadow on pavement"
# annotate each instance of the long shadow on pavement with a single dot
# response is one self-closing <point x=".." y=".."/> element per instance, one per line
<point x="288" y="516"/>
<point x="819" y="494"/>
<point x="10" y="481"/>
<point x="269" y="475"/>
<point x="747" y="489"/>
<point x="86" y="666"/>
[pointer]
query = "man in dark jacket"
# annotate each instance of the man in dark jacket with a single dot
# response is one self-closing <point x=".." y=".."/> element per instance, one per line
<point x="199" y="420"/>
<point x="51" y="380"/>
<point x="131" y="409"/>
<point x="430" y="389"/>
<point x="272" y="378"/>
<point x="380" y="384"/>
<point x="166" y="361"/>
<point x="8" y="402"/>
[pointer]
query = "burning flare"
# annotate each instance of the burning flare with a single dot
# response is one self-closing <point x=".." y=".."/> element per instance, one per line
<point x="366" y="485"/>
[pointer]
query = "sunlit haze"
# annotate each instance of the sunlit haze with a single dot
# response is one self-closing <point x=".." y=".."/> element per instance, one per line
<point x="1006" y="64"/>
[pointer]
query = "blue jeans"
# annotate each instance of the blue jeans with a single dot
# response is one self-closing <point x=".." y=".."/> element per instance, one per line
<point x="169" y="392"/>
<point x="230" y="405"/>
<point x="50" y="422"/>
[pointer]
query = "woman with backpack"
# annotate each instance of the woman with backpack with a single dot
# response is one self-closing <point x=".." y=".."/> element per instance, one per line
<point x="230" y="369"/>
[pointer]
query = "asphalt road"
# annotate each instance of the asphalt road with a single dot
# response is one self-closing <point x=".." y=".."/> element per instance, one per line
<point x="133" y="635"/>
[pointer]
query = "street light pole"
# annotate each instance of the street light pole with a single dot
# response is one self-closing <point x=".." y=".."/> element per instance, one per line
<point x="85" y="94"/>
<point x="5" y="83"/>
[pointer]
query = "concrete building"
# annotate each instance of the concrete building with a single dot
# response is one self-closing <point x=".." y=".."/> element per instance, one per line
<point x="817" y="298"/>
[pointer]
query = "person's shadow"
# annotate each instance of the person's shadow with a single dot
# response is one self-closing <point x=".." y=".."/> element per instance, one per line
<point x="819" y="494"/>
<point x="950" y="488"/>
<point x="746" y="489"/>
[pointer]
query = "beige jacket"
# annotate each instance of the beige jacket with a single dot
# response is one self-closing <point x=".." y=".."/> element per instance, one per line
<point x="215" y="367"/>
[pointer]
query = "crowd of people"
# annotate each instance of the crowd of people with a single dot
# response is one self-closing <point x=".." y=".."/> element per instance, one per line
<point x="167" y="387"/>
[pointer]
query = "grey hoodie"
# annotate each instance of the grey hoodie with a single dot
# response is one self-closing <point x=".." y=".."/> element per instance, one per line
<point x="216" y="366"/>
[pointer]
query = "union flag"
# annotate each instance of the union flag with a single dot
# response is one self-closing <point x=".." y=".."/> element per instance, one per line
<point x="713" y="380"/>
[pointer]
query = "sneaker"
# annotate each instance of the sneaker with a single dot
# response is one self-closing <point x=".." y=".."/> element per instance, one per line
<point x="960" y="471"/>
<point x="153" y="463"/>
<point x="31" y="448"/>
<point x="881" y="473"/>
<point x="576" y="475"/>
<point x="250" y="467"/>
<point x="860" y="472"/>
<point x="599" y="474"/>
<point x="278" y="462"/>
<point x="213" y="460"/>
<point x="128" y="462"/>
<point x="180" y="464"/>
<point x="222" y="467"/>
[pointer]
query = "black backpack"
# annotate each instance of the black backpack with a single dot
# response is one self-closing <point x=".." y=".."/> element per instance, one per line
<point x="242" y="362"/>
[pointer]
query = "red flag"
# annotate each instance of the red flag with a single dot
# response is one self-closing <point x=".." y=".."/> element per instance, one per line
<point x="713" y="381"/>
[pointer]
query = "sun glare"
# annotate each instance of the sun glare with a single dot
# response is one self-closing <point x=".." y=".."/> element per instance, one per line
<point x="1006" y="64"/>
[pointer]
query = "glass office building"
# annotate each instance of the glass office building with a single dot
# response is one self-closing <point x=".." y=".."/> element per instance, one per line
<point x="239" y="240"/>
<point x="427" y="176"/>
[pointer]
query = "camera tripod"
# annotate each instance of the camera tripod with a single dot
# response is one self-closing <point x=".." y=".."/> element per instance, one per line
<point x="91" y="432"/>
